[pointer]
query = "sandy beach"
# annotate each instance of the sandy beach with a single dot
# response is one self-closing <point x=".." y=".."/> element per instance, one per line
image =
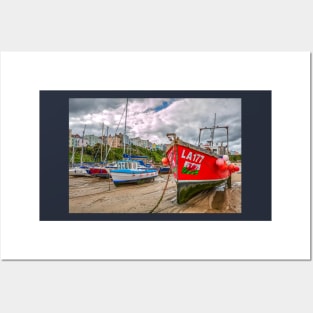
<point x="98" y="195"/>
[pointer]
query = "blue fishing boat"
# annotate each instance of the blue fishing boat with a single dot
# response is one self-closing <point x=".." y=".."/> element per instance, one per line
<point x="130" y="170"/>
<point x="164" y="169"/>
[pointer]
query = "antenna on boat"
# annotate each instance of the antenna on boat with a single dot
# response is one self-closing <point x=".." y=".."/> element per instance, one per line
<point x="212" y="130"/>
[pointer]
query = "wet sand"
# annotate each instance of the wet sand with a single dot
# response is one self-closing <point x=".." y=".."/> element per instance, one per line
<point x="98" y="195"/>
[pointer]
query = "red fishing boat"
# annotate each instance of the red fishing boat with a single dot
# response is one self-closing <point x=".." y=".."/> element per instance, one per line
<point x="196" y="169"/>
<point x="99" y="171"/>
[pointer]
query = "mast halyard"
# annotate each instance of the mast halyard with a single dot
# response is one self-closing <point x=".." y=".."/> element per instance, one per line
<point x="125" y="127"/>
<point x="102" y="141"/>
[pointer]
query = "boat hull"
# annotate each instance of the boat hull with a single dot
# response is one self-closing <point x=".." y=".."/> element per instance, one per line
<point x="132" y="176"/>
<point x="78" y="171"/>
<point x="164" y="170"/>
<point x="99" y="172"/>
<point x="187" y="190"/>
<point x="194" y="169"/>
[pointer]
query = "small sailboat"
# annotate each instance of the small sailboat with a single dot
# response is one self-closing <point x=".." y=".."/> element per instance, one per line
<point x="81" y="170"/>
<point x="130" y="170"/>
<point x="100" y="171"/>
<point x="165" y="169"/>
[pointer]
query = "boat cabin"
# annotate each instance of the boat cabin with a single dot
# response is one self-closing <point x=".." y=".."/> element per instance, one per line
<point x="217" y="149"/>
<point x="129" y="165"/>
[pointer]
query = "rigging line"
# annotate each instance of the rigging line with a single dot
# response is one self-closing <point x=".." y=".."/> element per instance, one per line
<point x="115" y="133"/>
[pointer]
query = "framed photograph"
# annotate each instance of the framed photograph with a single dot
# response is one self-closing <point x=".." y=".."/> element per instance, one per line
<point x="135" y="153"/>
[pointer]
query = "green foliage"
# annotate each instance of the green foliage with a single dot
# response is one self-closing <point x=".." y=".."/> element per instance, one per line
<point x="154" y="155"/>
<point x="77" y="155"/>
<point x="235" y="158"/>
<point x="115" y="154"/>
<point x="157" y="156"/>
<point x="93" y="154"/>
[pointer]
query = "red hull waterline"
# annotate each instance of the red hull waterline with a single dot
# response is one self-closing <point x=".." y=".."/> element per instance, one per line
<point x="99" y="172"/>
<point x="194" y="169"/>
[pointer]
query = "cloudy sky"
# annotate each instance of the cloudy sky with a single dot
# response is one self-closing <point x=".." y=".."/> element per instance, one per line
<point x="152" y="119"/>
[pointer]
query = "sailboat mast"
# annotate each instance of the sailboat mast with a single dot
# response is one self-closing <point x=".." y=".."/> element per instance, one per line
<point x="73" y="154"/>
<point x="102" y="142"/>
<point x="125" y="127"/>
<point x="82" y="152"/>
<point x="106" y="144"/>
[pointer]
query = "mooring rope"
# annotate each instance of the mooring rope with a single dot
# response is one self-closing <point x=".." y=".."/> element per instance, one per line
<point x="168" y="177"/>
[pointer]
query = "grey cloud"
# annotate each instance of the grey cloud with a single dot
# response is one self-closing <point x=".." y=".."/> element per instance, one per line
<point x="182" y="116"/>
<point x="79" y="107"/>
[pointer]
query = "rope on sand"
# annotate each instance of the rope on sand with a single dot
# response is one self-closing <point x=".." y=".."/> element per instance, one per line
<point x="168" y="177"/>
